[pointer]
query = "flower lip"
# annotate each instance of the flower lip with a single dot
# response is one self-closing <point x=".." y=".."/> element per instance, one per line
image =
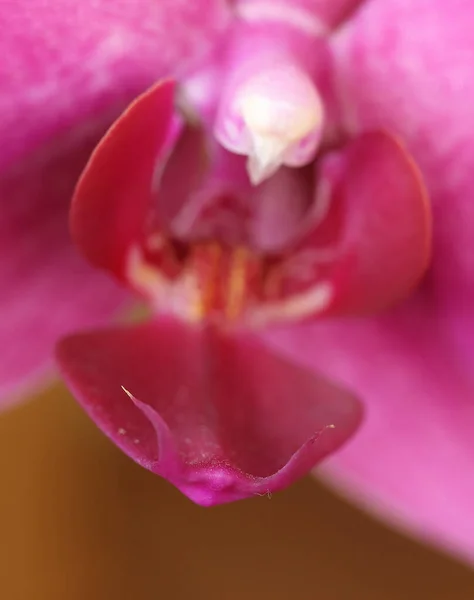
<point x="225" y="420"/>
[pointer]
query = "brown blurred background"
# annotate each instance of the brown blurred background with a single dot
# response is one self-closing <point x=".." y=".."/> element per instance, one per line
<point x="78" y="520"/>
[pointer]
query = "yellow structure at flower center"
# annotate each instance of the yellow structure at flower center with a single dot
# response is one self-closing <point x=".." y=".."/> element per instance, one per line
<point x="205" y="280"/>
<point x="210" y="281"/>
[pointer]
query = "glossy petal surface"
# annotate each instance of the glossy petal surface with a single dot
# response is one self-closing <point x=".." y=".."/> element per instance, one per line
<point x="222" y="417"/>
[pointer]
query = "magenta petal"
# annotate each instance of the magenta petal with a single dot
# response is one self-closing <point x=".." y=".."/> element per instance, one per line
<point x="280" y="206"/>
<point x="113" y="197"/>
<point x="388" y="226"/>
<point x="67" y="69"/>
<point x="221" y="417"/>
<point x="423" y="92"/>
<point x="378" y="227"/>
<point x="46" y="289"/>
<point x="67" y="62"/>
<point x="314" y="16"/>
<point x="411" y="461"/>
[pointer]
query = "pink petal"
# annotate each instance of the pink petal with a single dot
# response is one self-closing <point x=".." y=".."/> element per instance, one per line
<point x="66" y="62"/>
<point x="182" y="174"/>
<point x="385" y="240"/>
<point x="280" y="204"/>
<point x="410" y="69"/>
<point x="211" y="175"/>
<point x="411" y="461"/>
<point x="46" y="289"/>
<point x="373" y="245"/>
<point x="408" y="66"/>
<point x="113" y="197"/>
<point x="314" y="16"/>
<point x="221" y="417"/>
<point x="67" y="69"/>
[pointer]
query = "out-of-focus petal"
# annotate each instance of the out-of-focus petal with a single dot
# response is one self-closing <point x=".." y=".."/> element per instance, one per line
<point x="221" y="417"/>
<point x="367" y="242"/>
<point x="409" y="67"/>
<point x="46" y="289"/>
<point x="68" y="68"/>
<point x="280" y="203"/>
<point x="66" y="62"/>
<point x="312" y="16"/>
<point x="412" y="458"/>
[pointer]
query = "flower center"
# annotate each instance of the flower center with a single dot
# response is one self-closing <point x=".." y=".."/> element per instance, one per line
<point x="209" y="280"/>
<point x="275" y="118"/>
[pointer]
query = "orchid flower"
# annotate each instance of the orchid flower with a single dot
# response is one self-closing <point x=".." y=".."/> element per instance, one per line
<point x="192" y="200"/>
<point x="259" y="190"/>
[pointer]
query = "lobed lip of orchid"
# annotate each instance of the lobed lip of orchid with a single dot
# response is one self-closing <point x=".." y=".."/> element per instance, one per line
<point x="223" y="420"/>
